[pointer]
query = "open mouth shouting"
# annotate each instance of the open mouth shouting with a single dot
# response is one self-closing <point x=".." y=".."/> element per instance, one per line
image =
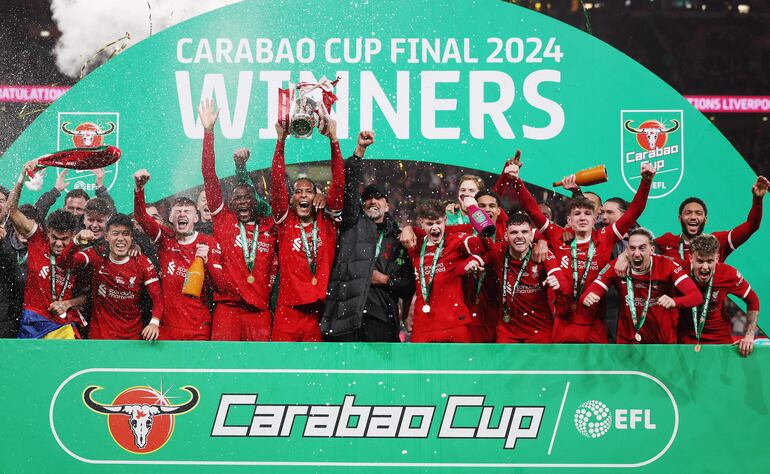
<point x="692" y="227"/>
<point x="435" y="235"/>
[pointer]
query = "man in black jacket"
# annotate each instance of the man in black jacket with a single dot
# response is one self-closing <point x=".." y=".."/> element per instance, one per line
<point x="371" y="271"/>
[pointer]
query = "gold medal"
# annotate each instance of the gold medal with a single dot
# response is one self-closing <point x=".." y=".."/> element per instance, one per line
<point x="638" y="337"/>
<point x="426" y="308"/>
<point x="250" y="279"/>
<point x="697" y="347"/>
<point x="314" y="281"/>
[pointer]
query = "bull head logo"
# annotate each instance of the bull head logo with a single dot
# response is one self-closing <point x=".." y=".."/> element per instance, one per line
<point x="651" y="134"/>
<point x="88" y="134"/>
<point x="140" y="416"/>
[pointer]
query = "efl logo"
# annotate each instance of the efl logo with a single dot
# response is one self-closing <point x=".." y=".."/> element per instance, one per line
<point x="88" y="130"/>
<point x="655" y="137"/>
<point x="140" y="419"/>
<point x="593" y="419"/>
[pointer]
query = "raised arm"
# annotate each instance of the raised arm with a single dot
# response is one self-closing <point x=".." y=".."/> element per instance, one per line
<point x="208" y="115"/>
<point x="740" y="234"/>
<point x="146" y="222"/>
<point x="690" y="294"/>
<point x="354" y="179"/>
<point x="637" y="205"/>
<point x="328" y="127"/>
<point x="240" y="157"/>
<point x="280" y="200"/>
<point x="101" y="189"/>
<point x="23" y="224"/>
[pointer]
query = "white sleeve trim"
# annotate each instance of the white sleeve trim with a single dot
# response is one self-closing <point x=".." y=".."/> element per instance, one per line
<point x="151" y="280"/>
<point x="155" y="321"/>
<point x="615" y="229"/>
<point x="217" y="266"/>
<point x="730" y="240"/>
<point x="88" y="260"/>
<point x="32" y="231"/>
<point x="282" y="218"/>
<point x="748" y="290"/>
<point x="465" y="244"/>
<point x="678" y="280"/>
<point x="219" y="209"/>
<point x="545" y="226"/>
<point x="478" y="259"/>
<point x="600" y="283"/>
<point x="157" y="237"/>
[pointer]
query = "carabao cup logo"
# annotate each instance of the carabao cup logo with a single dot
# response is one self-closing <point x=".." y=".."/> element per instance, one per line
<point x="655" y="137"/>
<point x="88" y="130"/>
<point x="140" y="419"/>
<point x="593" y="419"/>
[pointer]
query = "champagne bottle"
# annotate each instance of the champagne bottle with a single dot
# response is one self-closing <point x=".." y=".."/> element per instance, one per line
<point x="193" y="282"/>
<point x="589" y="176"/>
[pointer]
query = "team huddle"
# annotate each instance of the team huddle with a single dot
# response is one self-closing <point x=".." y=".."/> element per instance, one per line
<point x="314" y="266"/>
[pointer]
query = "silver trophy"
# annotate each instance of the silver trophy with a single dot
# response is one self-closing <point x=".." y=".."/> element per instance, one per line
<point x="303" y="116"/>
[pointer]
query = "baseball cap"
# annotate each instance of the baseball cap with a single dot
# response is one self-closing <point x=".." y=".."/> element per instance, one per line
<point x="373" y="191"/>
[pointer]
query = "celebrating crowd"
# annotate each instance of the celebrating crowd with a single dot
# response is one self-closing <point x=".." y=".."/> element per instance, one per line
<point x="337" y="266"/>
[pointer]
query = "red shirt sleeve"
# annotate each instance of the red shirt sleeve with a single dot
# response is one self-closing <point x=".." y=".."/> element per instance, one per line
<point x="152" y="283"/>
<point x="210" y="179"/>
<point x="740" y="234"/>
<point x="691" y="295"/>
<point x="552" y="268"/>
<point x="742" y="289"/>
<point x="529" y="204"/>
<point x="635" y="209"/>
<point x="337" y="189"/>
<point x="146" y="222"/>
<point x="280" y="202"/>
<point x="601" y="285"/>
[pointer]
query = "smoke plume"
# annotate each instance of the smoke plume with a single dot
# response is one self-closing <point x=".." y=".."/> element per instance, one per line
<point x="87" y="26"/>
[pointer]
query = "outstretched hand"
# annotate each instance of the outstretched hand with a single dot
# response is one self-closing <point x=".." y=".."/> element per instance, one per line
<point x="365" y="138"/>
<point x="208" y="114"/>
<point x="241" y="156"/>
<point x="760" y="187"/>
<point x="61" y="184"/>
<point x="140" y="178"/>
<point x="647" y="171"/>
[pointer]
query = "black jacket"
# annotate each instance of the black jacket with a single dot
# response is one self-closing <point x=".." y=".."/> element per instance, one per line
<point x="350" y="293"/>
<point x="13" y="277"/>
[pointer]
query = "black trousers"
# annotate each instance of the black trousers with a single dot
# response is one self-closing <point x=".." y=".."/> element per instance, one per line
<point x="371" y="330"/>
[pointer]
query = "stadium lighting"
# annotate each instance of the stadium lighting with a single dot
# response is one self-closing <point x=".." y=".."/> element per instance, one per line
<point x="45" y="33"/>
<point x="743" y="8"/>
<point x="588" y="6"/>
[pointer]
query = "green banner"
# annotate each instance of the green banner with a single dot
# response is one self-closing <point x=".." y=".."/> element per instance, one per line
<point x="95" y="406"/>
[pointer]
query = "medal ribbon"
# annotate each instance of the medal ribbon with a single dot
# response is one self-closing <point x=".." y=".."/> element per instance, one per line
<point x="480" y="278"/>
<point x="681" y="247"/>
<point x="426" y="289"/>
<point x="632" y="304"/>
<point x="379" y="245"/>
<point x="699" y="321"/>
<point x="306" y="247"/>
<point x="577" y="288"/>
<point x="525" y="261"/>
<point x="52" y="268"/>
<point x="249" y="250"/>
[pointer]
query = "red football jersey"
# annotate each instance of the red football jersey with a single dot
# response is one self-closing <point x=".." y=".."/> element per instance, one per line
<point x="603" y="241"/>
<point x="729" y="240"/>
<point x="181" y="311"/>
<point x="115" y="290"/>
<point x="727" y="281"/>
<point x="228" y="232"/>
<point x="295" y="284"/>
<point x="448" y="308"/>
<point x="37" y="291"/>
<point x="660" y="325"/>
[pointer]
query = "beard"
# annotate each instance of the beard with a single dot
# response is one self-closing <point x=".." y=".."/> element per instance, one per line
<point x="374" y="213"/>
<point x="699" y="231"/>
